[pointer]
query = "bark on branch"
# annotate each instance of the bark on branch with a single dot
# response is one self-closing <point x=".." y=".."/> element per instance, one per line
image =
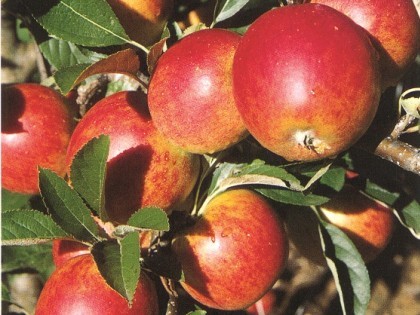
<point x="400" y="153"/>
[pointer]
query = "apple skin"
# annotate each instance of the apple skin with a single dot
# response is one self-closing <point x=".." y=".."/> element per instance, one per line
<point x="263" y="306"/>
<point x="300" y="95"/>
<point x="398" y="42"/>
<point x="143" y="20"/>
<point x="235" y="251"/>
<point x="367" y="223"/>
<point x="63" y="250"/>
<point x="77" y="287"/>
<point x="36" y="128"/>
<point x="190" y="93"/>
<point x="143" y="168"/>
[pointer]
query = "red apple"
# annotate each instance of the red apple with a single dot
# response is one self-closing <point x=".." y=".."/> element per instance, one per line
<point x="263" y="306"/>
<point x="143" y="168"/>
<point x="35" y="131"/>
<point x="306" y="80"/>
<point x="235" y="251"/>
<point x="394" y="26"/>
<point x="63" y="250"/>
<point x="190" y="94"/>
<point x="366" y="222"/>
<point x="77" y="287"/>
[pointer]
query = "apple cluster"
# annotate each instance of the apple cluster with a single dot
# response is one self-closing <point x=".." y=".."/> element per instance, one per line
<point x="303" y="80"/>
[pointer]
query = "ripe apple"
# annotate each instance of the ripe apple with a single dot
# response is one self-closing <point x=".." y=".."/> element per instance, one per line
<point x="394" y="27"/>
<point x="35" y="131"/>
<point x="77" y="287"/>
<point x="366" y="222"/>
<point x="263" y="306"/>
<point x="306" y="81"/>
<point x="143" y="20"/>
<point x="143" y="168"/>
<point x="63" y="250"/>
<point x="235" y="251"/>
<point x="190" y="93"/>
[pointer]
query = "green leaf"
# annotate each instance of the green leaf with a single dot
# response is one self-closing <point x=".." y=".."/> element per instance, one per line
<point x="410" y="218"/>
<point x="297" y="198"/>
<point x="228" y="8"/>
<point x="89" y="22"/>
<point x="36" y="257"/>
<point x="65" y="77"/>
<point x="381" y="193"/>
<point x="348" y="269"/>
<point x="67" y="207"/>
<point x="5" y="293"/>
<point x="197" y="312"/>
<point x="119" y="263"/>
<point x="88" y="173"/>
<point x="27" y="227"/>
<point x="152" y="218"/>
<point x="11" y="200"/>
<point x="334" y="178"/>
<point x="223" y="171"/>
<point x="63" y="54"/>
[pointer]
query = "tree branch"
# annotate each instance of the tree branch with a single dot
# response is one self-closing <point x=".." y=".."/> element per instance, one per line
<point x="400" y="153"/>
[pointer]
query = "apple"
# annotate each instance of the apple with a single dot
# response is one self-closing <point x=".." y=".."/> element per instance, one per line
<point x="368" y="223"/>
<point x="234" y="253"/>
<point x="35" y="131"/>
<point x="63" y="250"/>
<point x="263" y="306"/>
<point x="306" y="81"/>
<point x="394" y="26"/>
<point x="190" y="93"/>
<point x="77" y="287"/>
<point x="143" y="20"/>
<point x="143" y="168"/>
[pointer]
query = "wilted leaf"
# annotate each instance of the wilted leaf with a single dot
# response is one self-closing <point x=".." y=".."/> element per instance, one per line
<point x="150" y="218"/>
<point x="67" y="207"/>
<point x="411" y="104"/>
<point x="27" y="227"/>
<point x="124" y="62"/>
<point x="154" y="54"/>
<point x="63" y="54"/>
<point x="119" y="263"/>
<point x="348" y="269"/>
<point x="88" y="173"/>
<point x="89" y="22"/>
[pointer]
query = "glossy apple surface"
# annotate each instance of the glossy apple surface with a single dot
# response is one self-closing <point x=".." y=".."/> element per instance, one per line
<point x="77" y="287"/>
<point x="367" y="223"/>
<point x="306" y="80"/>
<point x="235" y="251"/>
<point x="143" y="20"/>
<point x="143" y="168"/>
<point x="394" y="25"/>
<point x="35" y="131"/>
<point x="190" y="94"/>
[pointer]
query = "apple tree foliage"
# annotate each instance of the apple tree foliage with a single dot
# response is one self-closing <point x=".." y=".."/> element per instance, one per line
<point x="74" y="50"/>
